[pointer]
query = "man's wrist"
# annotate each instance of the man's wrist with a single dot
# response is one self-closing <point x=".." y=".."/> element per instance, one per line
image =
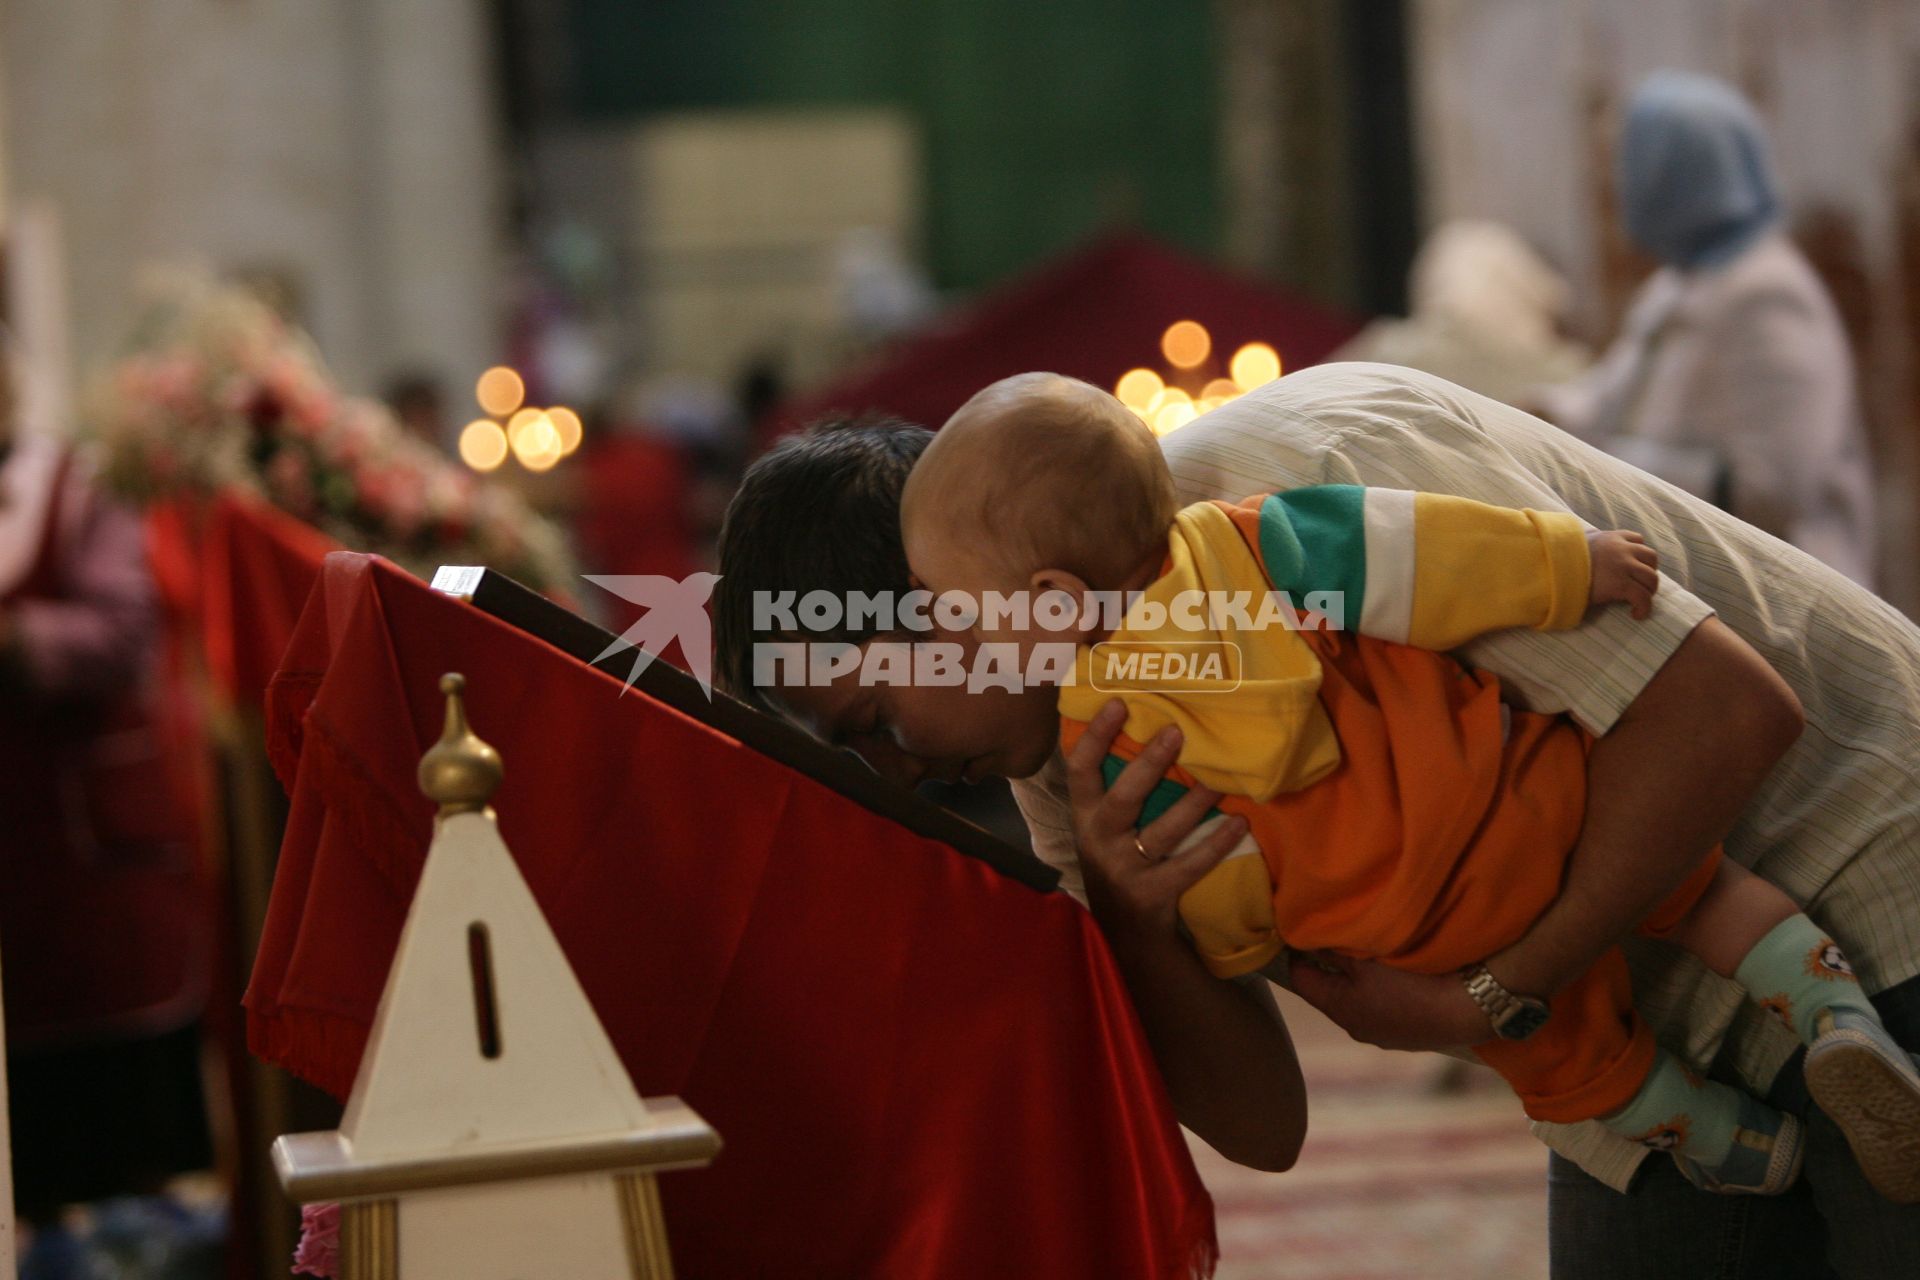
<point x="1124" y="928"/>
<point x="1510" y="1015"/>
<point x="1519" y="973"/>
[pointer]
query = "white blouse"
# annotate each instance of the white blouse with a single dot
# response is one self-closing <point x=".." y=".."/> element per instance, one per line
<point x="1737" y="384"/>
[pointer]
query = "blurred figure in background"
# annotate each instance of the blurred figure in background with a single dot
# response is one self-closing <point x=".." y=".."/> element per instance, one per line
<point x="1486" y="313"/>
<point x="632" y="509"/>
<point x="1731" y="376"/>
<point x="103" y="910"/>
<point x="880" y="293"/>
<point x="419" y="400"/>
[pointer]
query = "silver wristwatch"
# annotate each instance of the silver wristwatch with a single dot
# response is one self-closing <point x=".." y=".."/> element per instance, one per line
<point x="1513" y="1017"/>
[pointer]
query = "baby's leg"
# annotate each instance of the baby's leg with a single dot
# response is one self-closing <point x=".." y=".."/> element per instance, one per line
<point x="1722" y="1139"/>
<point x="1746" y="929"/>
<point x="1595" y="1059"/>
<point x="1731" y="915"/>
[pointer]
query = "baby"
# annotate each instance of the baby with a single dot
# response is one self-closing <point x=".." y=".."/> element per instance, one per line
<point x="1396" y="809"/>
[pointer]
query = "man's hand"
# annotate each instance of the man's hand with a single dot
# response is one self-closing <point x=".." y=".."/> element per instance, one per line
<point x="1125" y="889"/>
<point x="1226" y="1059"/>
<point x="1388" y="1007"/>
<point x="1625" y="570"/>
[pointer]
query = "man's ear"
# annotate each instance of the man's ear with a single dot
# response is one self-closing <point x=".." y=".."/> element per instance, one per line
<point x="1047" y="581"/>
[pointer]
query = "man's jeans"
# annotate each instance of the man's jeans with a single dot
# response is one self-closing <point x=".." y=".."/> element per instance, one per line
<point x="1831" y="1224"/>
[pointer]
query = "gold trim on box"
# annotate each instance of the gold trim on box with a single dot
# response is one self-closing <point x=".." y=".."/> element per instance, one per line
<point x="370" y="1240"/>
<point x="323" y="1166"/>
<point x="646" y="1226"/>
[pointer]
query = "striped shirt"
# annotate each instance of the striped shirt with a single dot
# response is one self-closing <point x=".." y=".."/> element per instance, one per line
<point x="1837" y="823"/>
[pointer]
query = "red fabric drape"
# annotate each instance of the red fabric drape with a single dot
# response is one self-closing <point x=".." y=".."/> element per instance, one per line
<point x="918" y="1068"/>
<point x="234" y="574"/>
<point x="258" y="565"/>
<point x="174" y="533"/>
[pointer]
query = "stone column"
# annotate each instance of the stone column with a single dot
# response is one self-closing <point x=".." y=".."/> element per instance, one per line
<point x="341" y="149"/>
<point x="431" y="179"/>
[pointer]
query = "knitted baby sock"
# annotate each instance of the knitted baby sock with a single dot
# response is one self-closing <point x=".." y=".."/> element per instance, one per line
<point x="1676" y="1110"/>
<point x="1796" y="972"/>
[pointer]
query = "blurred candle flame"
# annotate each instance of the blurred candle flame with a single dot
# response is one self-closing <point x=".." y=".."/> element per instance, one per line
<point x="1186" y="344"/>
<point x="499" y="391"/>
<point x="483" y="445"/>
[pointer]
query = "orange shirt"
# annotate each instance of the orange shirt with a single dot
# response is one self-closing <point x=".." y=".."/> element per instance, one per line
<point x="1438" y="836"/>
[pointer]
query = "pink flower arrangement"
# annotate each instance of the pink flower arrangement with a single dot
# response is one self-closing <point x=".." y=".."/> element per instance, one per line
<point x="318" y="1253"/>
<point x="218" y="394"/>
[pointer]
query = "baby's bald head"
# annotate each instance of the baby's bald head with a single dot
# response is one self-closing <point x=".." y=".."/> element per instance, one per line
<point x="1038" y="471"/>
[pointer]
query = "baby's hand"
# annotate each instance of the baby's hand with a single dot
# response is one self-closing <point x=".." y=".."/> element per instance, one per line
<point x="1625" y="570"/>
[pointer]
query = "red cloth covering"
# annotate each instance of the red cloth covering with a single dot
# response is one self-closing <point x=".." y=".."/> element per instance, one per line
<point x="1094" y="315"/>
<point x="233" y="575"/>
<point x="259" y="565"/>
<point x="918" y="1067"/>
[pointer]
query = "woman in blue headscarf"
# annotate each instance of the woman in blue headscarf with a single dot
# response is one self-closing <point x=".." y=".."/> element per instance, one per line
<point x="1732" y="376"/>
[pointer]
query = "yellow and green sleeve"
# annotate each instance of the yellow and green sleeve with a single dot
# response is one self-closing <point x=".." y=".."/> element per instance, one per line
<point x="1426" y="569"/>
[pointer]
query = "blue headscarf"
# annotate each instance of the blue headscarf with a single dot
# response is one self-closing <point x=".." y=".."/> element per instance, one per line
<point x="1696" y="186"/>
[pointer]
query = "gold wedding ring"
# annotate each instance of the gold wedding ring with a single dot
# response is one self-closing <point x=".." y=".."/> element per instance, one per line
<point x="1142" y="849"/>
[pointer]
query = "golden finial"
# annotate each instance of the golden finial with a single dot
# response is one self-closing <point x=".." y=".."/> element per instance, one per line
<point x="460" y="771"/>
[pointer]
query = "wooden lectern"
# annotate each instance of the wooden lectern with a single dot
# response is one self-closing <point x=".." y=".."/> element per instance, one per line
<point x="492" y="1133"/>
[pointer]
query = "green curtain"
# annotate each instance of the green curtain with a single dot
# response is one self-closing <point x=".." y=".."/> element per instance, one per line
<point x="1043" y="121"/>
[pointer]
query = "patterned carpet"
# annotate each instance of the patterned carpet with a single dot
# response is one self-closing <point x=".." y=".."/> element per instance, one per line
<point x="1399" y="1179"/>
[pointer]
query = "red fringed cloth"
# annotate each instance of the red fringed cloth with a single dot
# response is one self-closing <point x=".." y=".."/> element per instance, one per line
<point x="919" y="1068"/>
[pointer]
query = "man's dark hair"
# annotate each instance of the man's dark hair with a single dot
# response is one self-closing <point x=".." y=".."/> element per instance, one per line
<point x="820" y="511"/>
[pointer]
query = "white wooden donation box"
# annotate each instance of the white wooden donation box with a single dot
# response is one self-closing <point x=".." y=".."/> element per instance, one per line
<point x="492" y="1133"/>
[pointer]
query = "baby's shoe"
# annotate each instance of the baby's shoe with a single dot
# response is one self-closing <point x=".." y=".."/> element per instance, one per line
<point x="1868" y="1084"/>
<point x="1763" y="1161"/>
